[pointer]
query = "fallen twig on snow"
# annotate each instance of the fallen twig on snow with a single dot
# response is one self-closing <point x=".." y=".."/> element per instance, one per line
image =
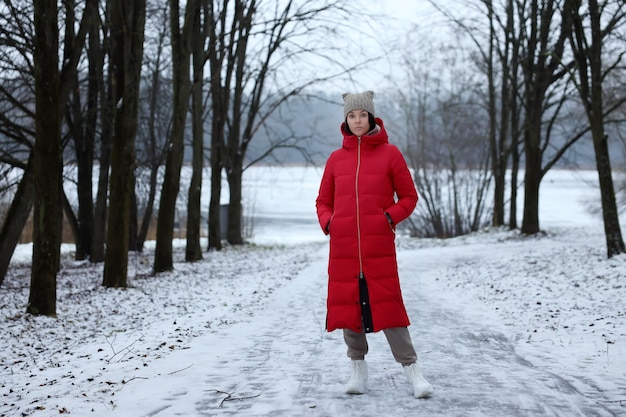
<point x="133" y="378"/>
<point x="126" y="349"/>
<point x="230" y="397"/>
<point x="180" y="370"/>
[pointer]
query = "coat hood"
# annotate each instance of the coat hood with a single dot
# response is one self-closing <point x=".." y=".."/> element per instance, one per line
<point x="375" y="137"/>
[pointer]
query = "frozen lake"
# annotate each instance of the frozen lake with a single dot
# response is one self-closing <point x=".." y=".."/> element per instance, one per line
<point x="281" y="201"/>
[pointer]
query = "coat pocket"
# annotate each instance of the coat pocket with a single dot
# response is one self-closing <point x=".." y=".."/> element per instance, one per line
<point x="389" y="221"/>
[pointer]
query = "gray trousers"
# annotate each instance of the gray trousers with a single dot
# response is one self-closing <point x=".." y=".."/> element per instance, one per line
<point x="399" y="341"/>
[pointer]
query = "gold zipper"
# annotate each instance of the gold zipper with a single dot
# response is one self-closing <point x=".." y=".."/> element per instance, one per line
<point x="358" y="208"/>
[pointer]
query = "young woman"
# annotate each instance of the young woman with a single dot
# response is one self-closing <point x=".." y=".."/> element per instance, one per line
<point x="366" y="190"/>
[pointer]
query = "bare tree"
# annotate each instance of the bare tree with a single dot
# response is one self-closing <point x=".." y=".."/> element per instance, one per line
<point x="445" y="140"/>
<point x="127" y="35"/>
<point x="514" y="106"/>
<point x="16" y="217"/>
<point x="549" y="26"/>
<point x="18" y="118"/>
<point x="181" y="53"/>
<point x="46" y="162"/>
<point x="81" y="126"/>
<point x="155" y="118"/>
<point x="21" y="204"/>
<point x="200" y="33"/>
<point x="532" y="36"/>
<point x="51" y="92"/>
<point x="502" y="68"/>
<point x="233" y="153"/>
<point x="278" y="33"/>
<point x="98" y="50"/>
<point x="589" y="43"/>
<point x="252" y="44"/>
<point x="17" y="114"/>
<point x="219" y="56"/>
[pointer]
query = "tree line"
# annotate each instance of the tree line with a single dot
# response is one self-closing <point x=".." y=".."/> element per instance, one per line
<point x="518" y="85"/>
<point x="114" y="87"/>
<point x="123" y="90"/>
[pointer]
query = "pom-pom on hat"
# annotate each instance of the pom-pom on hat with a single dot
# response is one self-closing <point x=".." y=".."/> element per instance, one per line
<point x="361" y="101"/>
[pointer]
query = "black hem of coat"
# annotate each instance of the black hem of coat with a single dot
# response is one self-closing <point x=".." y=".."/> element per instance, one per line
<point x="364" y="302"/>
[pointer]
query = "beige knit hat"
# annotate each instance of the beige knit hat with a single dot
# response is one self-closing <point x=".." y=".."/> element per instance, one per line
<point x="362" y="101"/>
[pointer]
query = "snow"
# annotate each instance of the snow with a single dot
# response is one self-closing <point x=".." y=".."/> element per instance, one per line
<point x="503" y="324"/>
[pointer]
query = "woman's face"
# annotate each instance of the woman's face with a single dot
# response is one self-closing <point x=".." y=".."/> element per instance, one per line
<point x="358" y="122"/>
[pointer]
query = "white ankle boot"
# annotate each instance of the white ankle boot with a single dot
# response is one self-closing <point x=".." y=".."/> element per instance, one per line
<point x="421" y="387"/>
<point x="358" y="380"/>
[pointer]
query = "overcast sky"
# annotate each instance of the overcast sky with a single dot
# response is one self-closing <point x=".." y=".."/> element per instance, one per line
<point x="386" y="34"/>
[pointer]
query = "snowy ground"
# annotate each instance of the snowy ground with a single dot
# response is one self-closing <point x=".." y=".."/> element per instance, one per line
<point x="504" y="326"/>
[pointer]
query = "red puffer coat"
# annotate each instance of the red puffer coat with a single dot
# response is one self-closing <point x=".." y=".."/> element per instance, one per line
<point x="356" y="191"/>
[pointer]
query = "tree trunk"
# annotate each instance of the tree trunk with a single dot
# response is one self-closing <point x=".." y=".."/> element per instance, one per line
<point x="498" y="168"/>
<point x="69" y="215"/>
<point x="610" y="214"/>
<point x="83" y="144"/>
<point x="514" y="131"/>
<point x="46" y="162"/>
<point x="588" y="55"/>
<point x="101" y="207"/>
<point x="133" y="223"/>
<point x="515" y="164"/>
<point x="156" y="158"/>
<point x="215" y="239"/>
<point x="540" y="71"/>
<point x="235" y="184"/>
<point x="220" y="96"/>
<point x="163" y="256"/>
<point x="85" y="178"/>
<point x="147" y="215"/>
<point x="499" y="184"/>
<point x="532" y="174"/>
<point x="107" y="118"/>
<point x="235" y="149"/>
<point x="127" y="34"/>
<point x="16" y="218"/>
<point x="194" y="250"/>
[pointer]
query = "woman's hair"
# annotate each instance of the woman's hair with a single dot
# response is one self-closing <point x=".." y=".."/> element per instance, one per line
<point x="371" y="119"/>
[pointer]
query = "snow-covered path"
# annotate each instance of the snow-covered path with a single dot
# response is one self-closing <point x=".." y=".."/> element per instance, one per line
<point x="473" y="365"/>
<point x="505" y="325"/>
<point x="281" y="362"/>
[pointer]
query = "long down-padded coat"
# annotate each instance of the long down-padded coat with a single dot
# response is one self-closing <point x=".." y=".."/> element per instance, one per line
<point x="356" y="191"/>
